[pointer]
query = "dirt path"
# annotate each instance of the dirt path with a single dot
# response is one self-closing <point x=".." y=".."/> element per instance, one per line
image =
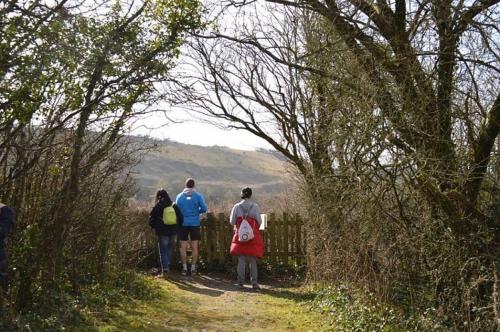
<point x="207" y="303"/>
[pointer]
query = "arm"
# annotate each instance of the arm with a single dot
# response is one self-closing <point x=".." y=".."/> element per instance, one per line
<point x="153" y="216"/>
<point x="203" y="205"/>
<point x="179" y="216"/>
<point x="232" y="218"/>
<point x="7" y="221"/>
<point x="256" y="213"/>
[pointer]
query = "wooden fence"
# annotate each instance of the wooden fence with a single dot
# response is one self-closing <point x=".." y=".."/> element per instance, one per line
<point x="284" y="239"/>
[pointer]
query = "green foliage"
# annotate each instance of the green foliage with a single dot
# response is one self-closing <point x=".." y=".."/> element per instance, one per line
<point x="70" y="80"/>
<point x="79" y="310"/>
<point x="291" y="270"/>
<point x="349" y="309"/>
<point x="124" y="48"/>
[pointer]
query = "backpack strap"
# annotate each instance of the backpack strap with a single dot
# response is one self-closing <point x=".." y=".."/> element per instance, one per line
<point x="245" y="216"/>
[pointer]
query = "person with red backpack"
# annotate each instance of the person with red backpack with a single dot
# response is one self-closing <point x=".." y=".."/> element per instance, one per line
<point x="247" y="243"/>
<point x="165" y="218"/>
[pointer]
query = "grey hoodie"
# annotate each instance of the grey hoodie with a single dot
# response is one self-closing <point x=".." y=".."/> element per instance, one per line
<point x="242" y="208"/>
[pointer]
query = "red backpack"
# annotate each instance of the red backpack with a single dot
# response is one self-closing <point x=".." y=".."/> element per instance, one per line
<point x="253" y="247"/>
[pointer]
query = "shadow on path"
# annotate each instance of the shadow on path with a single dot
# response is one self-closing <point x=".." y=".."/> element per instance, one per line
<point x="214" y="286"/>
<point x="188" y="284"/>
<point x="289" y="295"/>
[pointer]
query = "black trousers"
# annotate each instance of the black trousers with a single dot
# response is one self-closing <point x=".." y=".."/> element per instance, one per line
<point x="3" y="281"/>
<point x="3" y="273"/>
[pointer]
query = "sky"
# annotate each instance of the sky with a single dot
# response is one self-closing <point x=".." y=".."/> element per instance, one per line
<point x="185" y="128"/>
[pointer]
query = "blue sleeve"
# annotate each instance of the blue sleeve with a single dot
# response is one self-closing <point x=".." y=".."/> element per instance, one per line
<point x="178" y="214"/>
<point x="203" y="205"/>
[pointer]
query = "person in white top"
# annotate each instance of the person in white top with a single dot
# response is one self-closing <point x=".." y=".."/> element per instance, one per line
<point x="247" y="252"/>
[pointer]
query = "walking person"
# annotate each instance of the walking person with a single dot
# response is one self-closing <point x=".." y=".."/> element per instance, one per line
<point x="165" y="218"/>
<point x="192" y="204"/>
<point x="248" y="247"/>
<point x="7" y="221"/>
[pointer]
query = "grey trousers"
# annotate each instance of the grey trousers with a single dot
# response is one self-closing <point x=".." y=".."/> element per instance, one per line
<point x="242" y="262"/>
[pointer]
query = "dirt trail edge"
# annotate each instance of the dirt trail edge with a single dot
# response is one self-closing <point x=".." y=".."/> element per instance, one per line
<point x="208" y="303"/>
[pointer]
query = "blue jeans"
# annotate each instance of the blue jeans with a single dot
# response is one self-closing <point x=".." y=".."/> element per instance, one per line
<point x="166" y="245"/>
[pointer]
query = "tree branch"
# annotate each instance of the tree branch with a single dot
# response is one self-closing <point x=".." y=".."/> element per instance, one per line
<point x="266" y="51"/>
<point x="466" y="18"/>
<point x="482" y="150"/>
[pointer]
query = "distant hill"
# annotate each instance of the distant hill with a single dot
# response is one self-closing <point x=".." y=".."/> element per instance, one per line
<point x="220" y="172"/>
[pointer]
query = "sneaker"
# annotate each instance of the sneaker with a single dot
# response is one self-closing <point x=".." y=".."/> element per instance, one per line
<point x="194" y="272"/>
<point x="241" y="286"/>
<point x="184" y="272"/>
<point x="255" y="287"/>
<point x="165" y="274"/>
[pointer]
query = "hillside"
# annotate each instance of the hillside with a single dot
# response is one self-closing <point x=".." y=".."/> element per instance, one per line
<point x="219" y="172"/>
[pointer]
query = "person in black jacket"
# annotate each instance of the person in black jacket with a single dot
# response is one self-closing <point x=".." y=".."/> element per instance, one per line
<point x="7" y="220"/>
<point x="165" y="230"/>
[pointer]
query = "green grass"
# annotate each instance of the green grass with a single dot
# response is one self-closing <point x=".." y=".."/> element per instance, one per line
<point x="205" y="304"/>
<point x="137" y="302"/>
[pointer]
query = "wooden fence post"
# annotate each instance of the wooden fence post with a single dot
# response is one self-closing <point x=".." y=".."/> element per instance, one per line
<point x="222" y="238"/>
<point x="210" y="240"/>
<point x="284" y="237"/>
<point x="272" y="238"/>
<point x="298" y="239"/>
<point x="291" y="238"/>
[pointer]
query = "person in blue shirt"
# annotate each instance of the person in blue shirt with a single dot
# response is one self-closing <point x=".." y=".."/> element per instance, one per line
<point x="191" y="204"/>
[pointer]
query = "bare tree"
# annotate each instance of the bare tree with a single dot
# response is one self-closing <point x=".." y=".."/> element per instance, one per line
<point x="394" y="105"/>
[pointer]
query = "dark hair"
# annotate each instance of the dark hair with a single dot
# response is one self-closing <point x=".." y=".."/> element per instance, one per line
<point x="189" y="183"/>
<point x="162" y="195"/>
<point x="246" y="192"/>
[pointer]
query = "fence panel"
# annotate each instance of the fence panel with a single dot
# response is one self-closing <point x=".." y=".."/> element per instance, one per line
<point x="282" y="239"/>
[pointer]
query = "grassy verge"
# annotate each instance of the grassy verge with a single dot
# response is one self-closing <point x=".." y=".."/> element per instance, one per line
<point x="349" y="309"/>
<point x="71" y="312"/>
